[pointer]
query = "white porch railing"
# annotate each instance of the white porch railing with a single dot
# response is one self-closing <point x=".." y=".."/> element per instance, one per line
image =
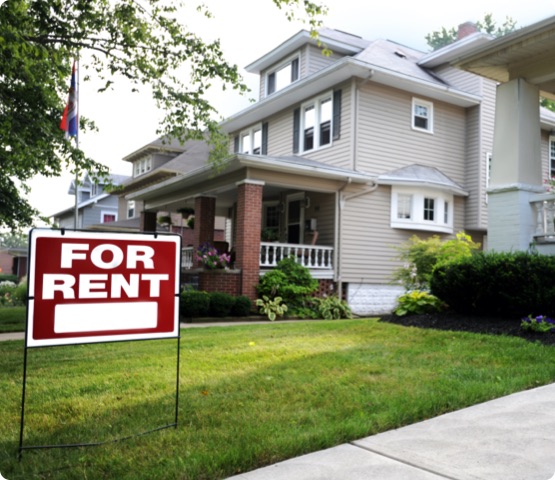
<point x="187" y="255"/>
<point x="314" y="257"/>
<point x="544" y="207"/>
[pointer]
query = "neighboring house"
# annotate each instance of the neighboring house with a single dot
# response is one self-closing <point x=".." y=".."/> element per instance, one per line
<point x="94" y="204"/>
<point x="344" y="158"/>
<point x="13" y="261"/>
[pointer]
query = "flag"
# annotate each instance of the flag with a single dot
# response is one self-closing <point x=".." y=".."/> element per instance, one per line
<point x="70" y="119"/>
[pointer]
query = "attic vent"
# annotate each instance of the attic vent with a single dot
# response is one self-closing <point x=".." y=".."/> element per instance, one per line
<point x="400" y="54"/>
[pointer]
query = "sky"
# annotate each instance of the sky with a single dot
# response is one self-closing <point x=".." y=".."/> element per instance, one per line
<point x="247" y="30"/>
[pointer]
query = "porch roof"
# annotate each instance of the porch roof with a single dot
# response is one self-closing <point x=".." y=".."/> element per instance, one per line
<point x="290" y="164"/>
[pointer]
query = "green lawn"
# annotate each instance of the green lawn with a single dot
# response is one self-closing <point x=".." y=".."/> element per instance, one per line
<point x="12" y="319"/>
<point x="249" y="395"/>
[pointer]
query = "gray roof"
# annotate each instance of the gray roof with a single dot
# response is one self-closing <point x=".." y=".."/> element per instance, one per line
<point x="421" y="175"/>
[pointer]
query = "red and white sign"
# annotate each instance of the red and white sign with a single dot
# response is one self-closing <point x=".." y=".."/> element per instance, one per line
<point x="87" y="287"/>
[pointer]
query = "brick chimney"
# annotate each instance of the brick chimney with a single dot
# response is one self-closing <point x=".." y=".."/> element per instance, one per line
<point x="466" y="29"/>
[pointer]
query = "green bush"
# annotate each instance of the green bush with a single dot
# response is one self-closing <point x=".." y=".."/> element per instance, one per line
<point x="271" y="307"/>
<point x="417" y="302"/>
<point x="194" y="303"/>
<point x="13" y="319"/>
<point x="291" y="281"/>
<point x="242" y="306"/>
<point x="8" y="277"/>
<point x="332" y="308"/>
<point x="221" y="304"/>
<point x="420" y="257"/>
<point x="498" y="284"/>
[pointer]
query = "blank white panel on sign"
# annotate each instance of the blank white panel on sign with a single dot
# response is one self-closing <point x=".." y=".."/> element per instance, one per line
<point x="69" y="318"/>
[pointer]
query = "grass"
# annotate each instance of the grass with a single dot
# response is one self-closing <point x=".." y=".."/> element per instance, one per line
<point x="12" y="319"/>
<point x="249" y="395"/>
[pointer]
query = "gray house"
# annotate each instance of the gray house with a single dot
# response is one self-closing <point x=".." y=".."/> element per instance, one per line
<point x="94" y="204"/>
<point x="345" y="157"/>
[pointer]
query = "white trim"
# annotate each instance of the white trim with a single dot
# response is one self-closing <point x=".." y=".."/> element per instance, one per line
<point x="288" y="61"/>
<point x="316" y="103"/>
<point x="250" y="132"/>
<point x="108" y="212"/>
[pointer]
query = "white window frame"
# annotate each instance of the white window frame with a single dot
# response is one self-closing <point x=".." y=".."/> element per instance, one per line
<point x="551" y="157"/>
<point x="131" y="208"/>
<point x="142" y="166"/>
<point x="251" y="135"/>
<point x="429" y="106"/>
<point x="288" y="62"/>
<point x="108" y="212"/>
<point x="443" y="209"/>
<point x="316" y="104"/>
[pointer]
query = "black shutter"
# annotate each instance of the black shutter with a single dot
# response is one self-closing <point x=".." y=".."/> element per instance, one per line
<point x="294" y="70"/>
<point x="264" y="138"/>
<point x="296" y="129"/>
<point x="236" y="144"/>
<point x="271" y="83"/>
<point x="336" y="114"/>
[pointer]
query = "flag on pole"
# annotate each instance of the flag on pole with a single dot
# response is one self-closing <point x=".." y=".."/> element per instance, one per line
<point x="70" y="118"/>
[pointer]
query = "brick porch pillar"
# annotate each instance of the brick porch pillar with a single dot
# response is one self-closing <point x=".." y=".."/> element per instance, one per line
<point x="205" y="215"/>
<point x="249" y="224"/>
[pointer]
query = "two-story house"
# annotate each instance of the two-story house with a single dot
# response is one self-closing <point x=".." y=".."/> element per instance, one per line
<point x="343" y="158"/>
<point x="94" y="204"/>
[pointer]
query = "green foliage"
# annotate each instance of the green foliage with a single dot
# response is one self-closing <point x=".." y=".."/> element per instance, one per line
<point x="146" y="43"/>
<point x="8" y="277"/>
<point x="421" y="256"/>
<point x="13" y="239"/>
<point x="194" y="303"/>
<point x="418" y="302"/>
<point x="13" y="319"/>
<point x="332" y="308"/>
<point x="242" y="306"/>
<point x="540" y="324"/>
<point x="447" y="36"/>
<point x="498" y="284"/>
<point x="291" y="281"/>
<point x="271" y="307"/>
<point x="220" y="304"/>
<point x="12" y="294"/>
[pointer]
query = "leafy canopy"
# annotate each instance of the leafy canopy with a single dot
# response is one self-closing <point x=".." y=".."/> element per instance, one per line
<point x="447" y="36"/>
<point x="142" y="41"/>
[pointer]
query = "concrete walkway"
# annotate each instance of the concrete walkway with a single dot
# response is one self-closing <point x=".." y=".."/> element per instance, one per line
<point x="511" y="438"/>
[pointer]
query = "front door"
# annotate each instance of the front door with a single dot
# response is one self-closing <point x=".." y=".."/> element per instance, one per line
<point x="295" y="217"/>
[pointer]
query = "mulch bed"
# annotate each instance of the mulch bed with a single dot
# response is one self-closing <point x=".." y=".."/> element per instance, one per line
<point x="467" y="323"/>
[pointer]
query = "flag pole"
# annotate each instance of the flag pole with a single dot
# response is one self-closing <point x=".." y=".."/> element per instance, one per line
<point x="76" y="215"/>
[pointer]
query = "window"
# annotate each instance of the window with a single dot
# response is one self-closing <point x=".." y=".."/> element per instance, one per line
<point x="283" y="76"/>
<point x="420" y="208"/>
<point x="108" y="217"/>
<point x="131" y="209"/>
<point x="422" y="115"/>
<point x="142" y="166"/>
<point x="316" y="123"/>
<point x="404" y="206"/>
<point x="552" y="157"/>
<point x="251" y="141"/>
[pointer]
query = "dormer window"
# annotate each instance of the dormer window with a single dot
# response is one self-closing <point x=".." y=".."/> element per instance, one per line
<point x="140" y="167"/>
<point x="284" y="75"/>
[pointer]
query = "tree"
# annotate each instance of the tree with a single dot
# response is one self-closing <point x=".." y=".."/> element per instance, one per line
<point x="142" y="41"/>
<point x="444" y="37"/>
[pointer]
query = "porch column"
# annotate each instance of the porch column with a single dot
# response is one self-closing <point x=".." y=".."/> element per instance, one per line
<point x="249" y="225"/>
<point x="205" y="215"/>
<point x="516" y="167"/>
<point x="148" y="222"/>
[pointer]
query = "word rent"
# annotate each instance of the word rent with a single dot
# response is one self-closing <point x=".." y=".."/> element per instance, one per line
<point x="103" y="285"/>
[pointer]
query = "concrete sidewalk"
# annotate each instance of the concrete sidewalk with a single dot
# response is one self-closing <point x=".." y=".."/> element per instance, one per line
<point x="511" y="438"/>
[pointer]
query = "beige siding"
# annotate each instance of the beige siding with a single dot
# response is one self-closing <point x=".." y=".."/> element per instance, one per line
<point x="475" y="163"/>
<point x="386" y="141"/>
<point x="316" y="60"/>
<point x="322" y="208"/>
<point x="460" y="79"/>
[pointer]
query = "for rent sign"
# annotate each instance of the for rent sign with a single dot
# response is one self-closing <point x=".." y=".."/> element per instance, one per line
<point x="87" y="287"/>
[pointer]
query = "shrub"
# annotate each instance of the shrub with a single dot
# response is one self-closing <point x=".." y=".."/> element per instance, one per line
<point x="332" y="308"/>
<point x="418" y="302"/>
<point x="271" y="307"/>
<point x="8" y="277"/>
<point x="541" y="324"/>
<point x="194" y="303"/>
<point x="421" y="256"/>
<point x="497" y="284"/>
<point x="291" y="281"/>
<point x="242" y="306"/>
<point x="221" y="304"/>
